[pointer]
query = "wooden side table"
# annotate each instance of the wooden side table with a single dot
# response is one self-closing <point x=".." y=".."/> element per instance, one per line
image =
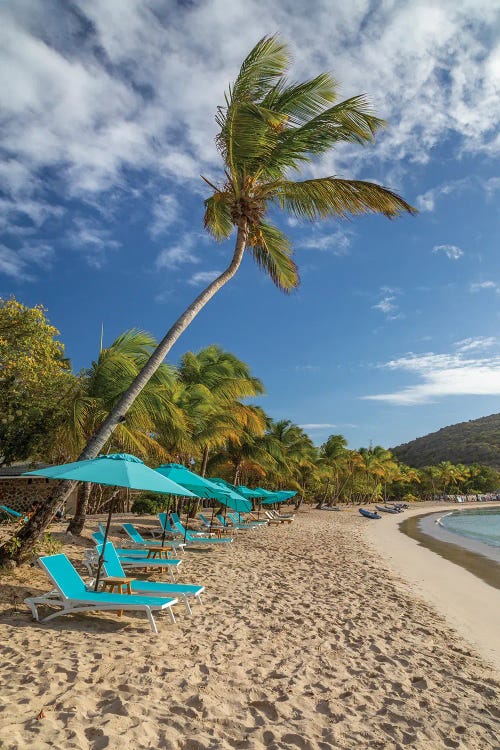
<point x="117" y="585"/>
<point x="160" y="553"/>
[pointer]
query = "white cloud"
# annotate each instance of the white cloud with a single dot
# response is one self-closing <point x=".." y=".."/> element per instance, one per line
<point x="20" y="264"/>
<point x="19" y="208"/>
<point x="427" y="201"/>
<point x="95" y="91"/>
<point x="443" y="375"/>
<point x="317" y="426"/>
<point x="306" y="368"/>
<point x="479" y="286"/>
<point x="453" y="252"/>
<point x="388" y="303"/>
<point x="203" y="277"/>
<point x="336" y="242"/>
<point x="165" y="212"/>
<point x="475" y="344"/>
<point x="180" y="254"/>
<point x="92" y="240"/>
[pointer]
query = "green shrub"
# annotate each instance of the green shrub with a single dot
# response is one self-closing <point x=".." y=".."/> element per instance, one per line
<point x="409" y="498"/>
<point x="48" y="545"/>
<point x="146" y="505"/>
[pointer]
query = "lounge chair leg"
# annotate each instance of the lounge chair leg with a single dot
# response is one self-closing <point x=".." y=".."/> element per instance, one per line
<point x="187" y="605"/>
<point x="31" y="604"/>
<point x="151" y="620"/>
<point x="171" y="613"/>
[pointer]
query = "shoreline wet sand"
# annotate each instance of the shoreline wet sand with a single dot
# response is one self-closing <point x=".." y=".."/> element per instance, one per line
<point x="462" y="584"/>
<point x="477" y="557"/>
<point x="306" y="639"/>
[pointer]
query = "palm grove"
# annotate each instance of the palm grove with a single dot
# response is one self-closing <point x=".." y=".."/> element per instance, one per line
<point x="196" y="413"/>
<point x="269" y="128"/>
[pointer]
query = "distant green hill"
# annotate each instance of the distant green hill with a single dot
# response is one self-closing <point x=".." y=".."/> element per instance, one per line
<point x="474" y="442"/>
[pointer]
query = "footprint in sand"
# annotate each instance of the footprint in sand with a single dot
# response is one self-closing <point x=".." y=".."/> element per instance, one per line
<point x="97" y="738"/>
<point x="419" y="682"/>
<point x="267" y="708"/>
<point x="295" y="740"/>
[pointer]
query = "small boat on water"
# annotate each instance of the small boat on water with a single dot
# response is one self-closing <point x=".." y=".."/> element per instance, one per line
<point x="369" y="513"/>
<point x="387" y="509"/>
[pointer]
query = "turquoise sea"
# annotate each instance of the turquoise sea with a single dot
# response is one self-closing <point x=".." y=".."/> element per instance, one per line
<point x="482" y="524"/>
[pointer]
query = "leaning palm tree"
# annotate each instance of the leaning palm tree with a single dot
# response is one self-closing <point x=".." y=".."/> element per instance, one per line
<point x="268" y="127"/>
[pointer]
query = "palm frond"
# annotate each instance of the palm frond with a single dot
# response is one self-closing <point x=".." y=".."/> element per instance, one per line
<point x="332" y="196"/>
<point x="248" y="134"/>
<point x="246" y="129"/>
<point x="266" y="63"/>
<point x="301" y="101"/>
<point x="217" y="219"/>
<point x="272" y="251"/>
<point x="350" y="121"/>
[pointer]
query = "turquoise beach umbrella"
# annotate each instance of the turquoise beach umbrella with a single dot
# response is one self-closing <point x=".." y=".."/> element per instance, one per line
<point x="279" y="497"/>
<point x="232" y="499"/>
<point x="115" y="470"/>
<point x="194" y="482"/>
<point x="263" y="493"/>
<point x="202" y="487"/>
<point x="247" y="492"/>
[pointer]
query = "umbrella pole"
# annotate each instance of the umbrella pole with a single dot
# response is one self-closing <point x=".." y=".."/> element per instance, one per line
<point x="165" y="524"/>
<point x="186" y="524"/>
<point x="106" y="534"/>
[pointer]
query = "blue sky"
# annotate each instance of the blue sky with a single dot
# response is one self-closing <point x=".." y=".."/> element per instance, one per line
<point x="107" y="121"/>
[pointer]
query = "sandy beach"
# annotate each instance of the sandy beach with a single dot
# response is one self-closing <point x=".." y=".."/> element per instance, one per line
<point x="307" y="638"/>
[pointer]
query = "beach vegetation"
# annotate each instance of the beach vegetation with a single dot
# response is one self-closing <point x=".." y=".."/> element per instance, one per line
<point x="34" y="379"/>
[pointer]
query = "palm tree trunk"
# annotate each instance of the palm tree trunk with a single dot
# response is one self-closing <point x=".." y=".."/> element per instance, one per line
<point x="76" y="524"/>
<point x="204" y="462"/>
<point x="20" y="547"/>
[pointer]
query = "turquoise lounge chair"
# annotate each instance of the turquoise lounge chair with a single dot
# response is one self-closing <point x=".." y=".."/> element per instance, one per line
<point x="284" y="516"/>
<point x="239" y="518"/>
<point x="228" y="523"/>
<point x="131" y="558"/>
<point x="172" y="530"/>
<point x="274" y="520"/>
<point x="98" y="537"/>
<point x="14" y="514"/>
<point x="138" y="539"/>
<point x="192" y="539"/>
<point x="113" y="568"/>
<point x="72" y="595"/>
<point x="244" y="524"/>
<point x="210" y="525"/>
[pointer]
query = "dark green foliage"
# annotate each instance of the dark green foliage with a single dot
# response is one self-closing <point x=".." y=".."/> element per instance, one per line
<point x="473" y="442"/>
<point x="148" y="504"/>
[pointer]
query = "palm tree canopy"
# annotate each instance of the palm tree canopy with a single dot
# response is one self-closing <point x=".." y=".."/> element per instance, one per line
<point x="270" y="126"/>
<point x="102" y="384"/>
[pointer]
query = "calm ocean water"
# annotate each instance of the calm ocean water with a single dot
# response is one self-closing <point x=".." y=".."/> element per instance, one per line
<point x="481" y="524"/>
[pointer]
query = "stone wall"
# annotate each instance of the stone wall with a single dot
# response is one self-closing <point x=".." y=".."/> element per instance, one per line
<point x="19" y="492"/>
